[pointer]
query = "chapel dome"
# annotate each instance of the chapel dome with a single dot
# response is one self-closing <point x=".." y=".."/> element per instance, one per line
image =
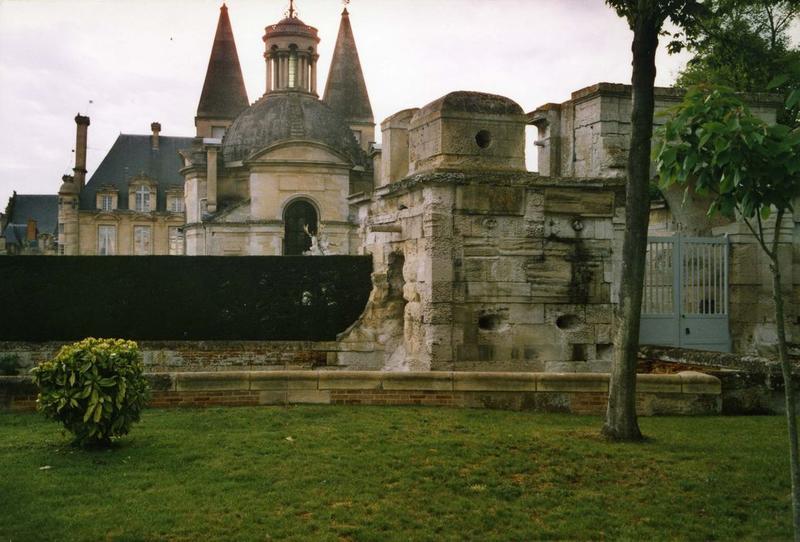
<point x="286" y="116"/>
<point x="291" y="26"/>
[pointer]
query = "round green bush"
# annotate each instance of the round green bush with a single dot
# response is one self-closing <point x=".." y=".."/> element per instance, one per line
<point x="94" y="387"/>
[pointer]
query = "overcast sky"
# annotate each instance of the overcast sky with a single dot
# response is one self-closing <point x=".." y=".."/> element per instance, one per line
<point x="145" y="60"/>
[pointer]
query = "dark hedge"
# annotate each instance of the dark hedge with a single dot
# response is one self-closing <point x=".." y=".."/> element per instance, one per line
<point x="181" y="298"/>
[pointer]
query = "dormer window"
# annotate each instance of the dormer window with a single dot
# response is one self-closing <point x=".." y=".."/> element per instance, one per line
<point x="217" y="132"/>
<point x="176" y="204"/>
<point x="106" y="198"/>
<point x="143" y="199"/>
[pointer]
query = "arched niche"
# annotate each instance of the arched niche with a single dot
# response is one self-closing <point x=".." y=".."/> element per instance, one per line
<point x="298" y="214"/>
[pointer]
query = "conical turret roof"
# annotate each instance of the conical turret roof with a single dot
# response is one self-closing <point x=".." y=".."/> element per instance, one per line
<point x="224" y="95"/>
<point x="345" y="89"/>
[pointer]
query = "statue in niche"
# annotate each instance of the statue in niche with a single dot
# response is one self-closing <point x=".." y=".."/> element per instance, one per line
<point x="320" y="245"/>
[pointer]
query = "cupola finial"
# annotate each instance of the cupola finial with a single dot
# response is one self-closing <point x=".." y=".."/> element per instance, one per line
<point x="292" y="12"/>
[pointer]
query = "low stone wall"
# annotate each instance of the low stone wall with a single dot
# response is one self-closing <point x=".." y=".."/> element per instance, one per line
<point x="687" y="393"/>
<point x="185" y="356"/>
<point x="750" y="384"/>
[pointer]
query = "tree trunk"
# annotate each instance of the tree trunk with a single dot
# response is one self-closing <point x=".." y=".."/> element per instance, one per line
<point x="621" y="423"/>
<point x="788" y="387"/>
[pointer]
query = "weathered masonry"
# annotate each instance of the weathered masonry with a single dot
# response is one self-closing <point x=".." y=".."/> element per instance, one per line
<point x="482" y="265"/>
<point x="686" y="393"/>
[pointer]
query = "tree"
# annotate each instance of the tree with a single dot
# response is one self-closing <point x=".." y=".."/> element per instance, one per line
<point x="713" y="143"/>
<point x="743" y="44"/>
<point x="646" y="19"/>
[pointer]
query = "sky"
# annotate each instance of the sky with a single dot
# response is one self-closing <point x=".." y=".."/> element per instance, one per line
<point x="128" y="63"/>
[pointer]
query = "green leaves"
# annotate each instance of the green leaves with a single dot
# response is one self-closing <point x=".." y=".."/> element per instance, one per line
<point x="714" y="143"/>
<point x="95" y="388"/>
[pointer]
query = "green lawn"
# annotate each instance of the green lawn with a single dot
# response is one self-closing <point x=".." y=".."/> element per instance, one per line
<point x="381" y="473"/>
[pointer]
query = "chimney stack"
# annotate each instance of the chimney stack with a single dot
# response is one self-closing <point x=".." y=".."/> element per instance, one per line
<point x="156" y="128"/>
<point x="80" y="149"/>
<point x="30" y="233"/>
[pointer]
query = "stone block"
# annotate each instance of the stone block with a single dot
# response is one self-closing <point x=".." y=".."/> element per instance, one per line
<point x="202" y="381"/>
<point x="694" y="382"/>
<point x="659" y="383"/>
<point x="350" y="380"/>
<point x="526" y="313"/>
<point x="313" y="397"/>
<point x="572" y="382"/>
<point x="599" y="314"/>
<point x="579" y="202"/>
<point x="494" y="290"/>
<point x="417" y="381"/>
<point x="485" y="381"/>
<point x="485" y="199"/>
<point x="272" y="397"/>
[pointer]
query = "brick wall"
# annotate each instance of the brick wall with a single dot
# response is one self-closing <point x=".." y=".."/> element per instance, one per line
<point x="579" y="393"/>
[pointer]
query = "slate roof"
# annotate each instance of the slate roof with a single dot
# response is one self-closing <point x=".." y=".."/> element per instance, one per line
<point x="224" y="95"/>
<point x="345" y="88"/>
<point x="132" y="155"/>
<point x="41" y="208"/>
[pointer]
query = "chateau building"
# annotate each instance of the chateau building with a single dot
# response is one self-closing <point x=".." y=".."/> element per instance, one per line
<point x="29" y="225"/>
<point x="477" y="262"/>
<point x="133" y="204"/>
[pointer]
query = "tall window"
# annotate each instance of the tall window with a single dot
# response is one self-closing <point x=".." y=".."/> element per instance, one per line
<point x="292" y="69"/>
<point x="175" y="242"/>
<point x="298" y="215"/>
<point x="106" y="240"/>
<point x="176" y="204"/>
<point x="142" y="240"/>
<point x="107" y="202"/>
<point x="143" y="199"/>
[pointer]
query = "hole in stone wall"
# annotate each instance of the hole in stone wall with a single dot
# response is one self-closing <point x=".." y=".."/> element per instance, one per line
<point x="567" y="322"/>
<point x="483" y="138"/>
<point x="394" y="275"/>
<point x="605" y="351"/>
<point x="578" y="352"/>
<point x="490" y="322"/>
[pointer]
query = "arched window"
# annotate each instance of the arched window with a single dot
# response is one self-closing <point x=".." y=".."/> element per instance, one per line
<point x="298" y="215"/>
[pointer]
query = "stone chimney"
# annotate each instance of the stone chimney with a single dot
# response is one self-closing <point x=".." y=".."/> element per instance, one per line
<point x="80" y="150"/>
<point x="30" y="232"/>
<point x="156" y="128"/>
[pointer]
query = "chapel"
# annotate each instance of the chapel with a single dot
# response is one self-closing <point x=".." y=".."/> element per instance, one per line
<point x="267" y="178"/>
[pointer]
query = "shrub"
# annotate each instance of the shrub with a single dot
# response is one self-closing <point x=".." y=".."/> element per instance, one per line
<point x="9" y="365"/>
<point x="94" y="387"/>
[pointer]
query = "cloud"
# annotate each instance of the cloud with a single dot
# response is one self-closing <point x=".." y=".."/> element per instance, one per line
<point x="141" y="61"/>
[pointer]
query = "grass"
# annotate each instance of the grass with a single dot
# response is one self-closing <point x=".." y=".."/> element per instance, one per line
<point x="379" y="473"/>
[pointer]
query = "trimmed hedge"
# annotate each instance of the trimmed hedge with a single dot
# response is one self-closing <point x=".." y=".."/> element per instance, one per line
<point x="182" y="298"/>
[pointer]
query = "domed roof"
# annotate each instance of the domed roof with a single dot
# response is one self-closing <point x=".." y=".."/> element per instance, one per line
<point x="463" y="101"/>
<point x="285" y="116"/>
<point x="291" y="26"/>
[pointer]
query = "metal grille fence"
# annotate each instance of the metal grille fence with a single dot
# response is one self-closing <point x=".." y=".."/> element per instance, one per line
<point x="685" y="297"/>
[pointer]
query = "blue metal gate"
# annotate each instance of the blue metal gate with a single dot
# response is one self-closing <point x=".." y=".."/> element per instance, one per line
<point x="685" y="300"/>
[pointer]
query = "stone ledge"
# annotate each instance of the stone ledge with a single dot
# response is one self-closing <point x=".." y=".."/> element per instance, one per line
<point x="700" y="383"/>
<point x="233" y="380"/>
<point x="586" y="382"/>
<point x="480" y="381"/>
<point x="422" y="381"/>
<point x="682" y="393"/>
